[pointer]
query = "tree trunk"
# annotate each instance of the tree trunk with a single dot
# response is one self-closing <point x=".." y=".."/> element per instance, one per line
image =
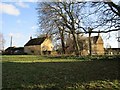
<point x="62" y="42"/>
<point x="90" y="48"/>
<point x="61" y="31"/>
<point x="75" y="44"/>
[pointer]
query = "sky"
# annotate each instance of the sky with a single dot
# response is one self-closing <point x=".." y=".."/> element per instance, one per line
<point x="20" y="19"/>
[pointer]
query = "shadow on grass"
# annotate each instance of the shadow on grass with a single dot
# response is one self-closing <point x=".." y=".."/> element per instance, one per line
<point x="57" y="75"/>
<point x="94" y="57"/>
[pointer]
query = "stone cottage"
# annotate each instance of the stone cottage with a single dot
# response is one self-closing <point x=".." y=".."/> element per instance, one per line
<point x="97" y="45"/>
<point x="39" y="46"/>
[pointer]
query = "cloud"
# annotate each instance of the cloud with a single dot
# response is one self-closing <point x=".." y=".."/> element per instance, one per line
<point x="23" y="5"/>
<point x="9" y="9"/>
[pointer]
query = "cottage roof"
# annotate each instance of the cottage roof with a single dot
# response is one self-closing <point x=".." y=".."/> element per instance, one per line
<point x="35" y="41"/>
<point x="14" y="48"/>
<point x="9" y="48"/>
<point x="94" y="39"/>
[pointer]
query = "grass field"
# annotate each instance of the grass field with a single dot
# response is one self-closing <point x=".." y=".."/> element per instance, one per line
<point x="29" y="72"/>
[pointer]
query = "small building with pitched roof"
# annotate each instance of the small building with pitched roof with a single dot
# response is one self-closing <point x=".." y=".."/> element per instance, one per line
<point x="39" y="46"/>
<point x="14" y="51"/>
<point x="97" y="45"/>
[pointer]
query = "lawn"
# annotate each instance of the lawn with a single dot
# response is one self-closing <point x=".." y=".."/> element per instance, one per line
<point x="27" y="72"/>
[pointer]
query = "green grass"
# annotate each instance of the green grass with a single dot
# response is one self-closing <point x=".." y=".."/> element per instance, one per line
<point x="59" y="73"/>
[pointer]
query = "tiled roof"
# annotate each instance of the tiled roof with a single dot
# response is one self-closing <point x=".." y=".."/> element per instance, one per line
<point x="9" y="48"/>
<point x="35" y="41"/>
<point x="14" y="48"/>
<point x="94" y="39"/>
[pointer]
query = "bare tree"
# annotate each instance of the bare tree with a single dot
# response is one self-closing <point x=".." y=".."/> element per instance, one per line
<point x="62" y="14"/>
<point x="102" y="15"/>
<point x="115" y="8"/>
<point x="49" y="22"/>
<point x="2" y="42"/>
<point x="76" y="17"/>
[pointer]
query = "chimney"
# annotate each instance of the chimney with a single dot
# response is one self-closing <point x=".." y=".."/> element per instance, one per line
<point x="99" y="33"/>
<point x="30" y="37"/>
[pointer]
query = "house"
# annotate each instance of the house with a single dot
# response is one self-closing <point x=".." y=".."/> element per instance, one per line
<point x="97" y="45"/>
<point x="83" y="42"/>
<point x="14" y="51"/>
<point x="39" y="46"/>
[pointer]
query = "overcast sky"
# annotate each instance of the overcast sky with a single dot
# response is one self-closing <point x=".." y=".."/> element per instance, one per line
<point x="19" y="19"/>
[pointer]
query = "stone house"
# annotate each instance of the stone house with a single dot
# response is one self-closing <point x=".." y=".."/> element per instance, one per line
<point x="97" y="45"/>
<point x="39" y="46"/>
<point x="83" y="41"/>
<point x="14" y="51"/>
